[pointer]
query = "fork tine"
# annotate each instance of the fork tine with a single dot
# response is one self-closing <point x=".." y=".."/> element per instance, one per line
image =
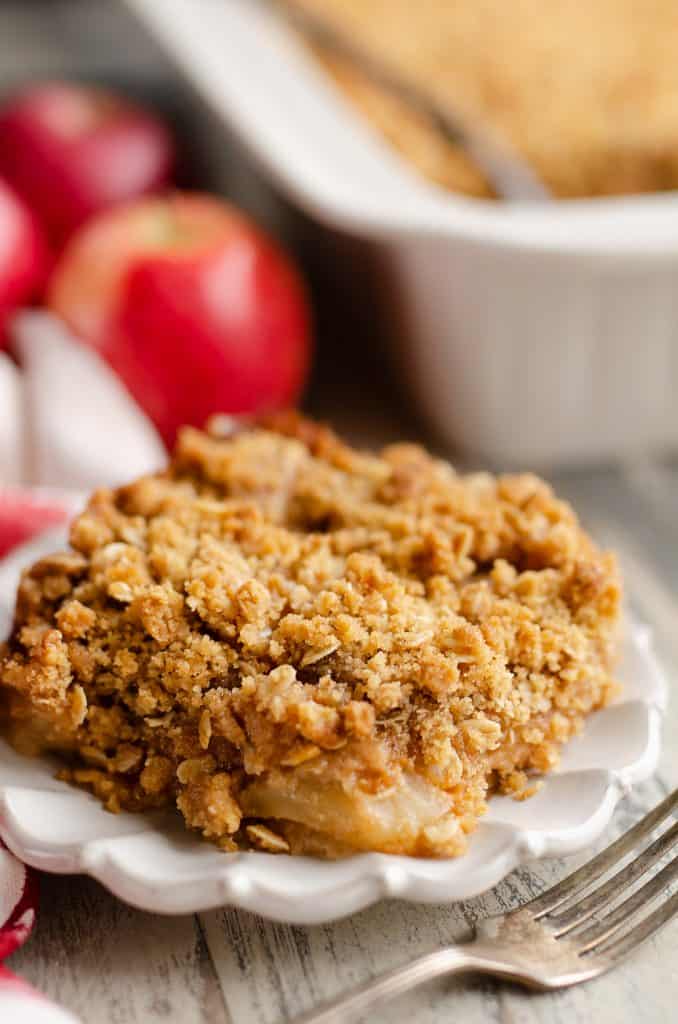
<point x="642" y="931"/>
<point x="609" y="925"/>
<point x="583" y="909"/>
<point x="605" y="860"/>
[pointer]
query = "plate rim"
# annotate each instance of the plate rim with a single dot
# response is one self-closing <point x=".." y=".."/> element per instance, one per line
<point x="250" y="881"/>
<point x="245" y="879"/>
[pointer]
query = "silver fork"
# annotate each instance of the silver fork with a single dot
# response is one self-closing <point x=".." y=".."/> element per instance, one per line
<point x="570" y="934"/>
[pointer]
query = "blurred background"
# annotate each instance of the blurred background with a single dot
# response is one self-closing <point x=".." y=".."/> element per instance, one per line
<point x="101" y="42"/>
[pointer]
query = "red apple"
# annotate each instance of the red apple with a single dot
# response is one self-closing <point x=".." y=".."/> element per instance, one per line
<point x="195" y="307"/>
<point x="72" y="150"/>
<point x="24" y="257"/>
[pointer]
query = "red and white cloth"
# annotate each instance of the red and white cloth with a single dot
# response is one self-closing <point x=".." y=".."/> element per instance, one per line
<point x="19" y="1003"/>
<point x="21" y="516"/>
<point x="66" y="422"/>
<point x="18" y="904"/>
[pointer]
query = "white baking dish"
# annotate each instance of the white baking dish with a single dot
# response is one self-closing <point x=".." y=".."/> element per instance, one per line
<point x="529" y="333"/>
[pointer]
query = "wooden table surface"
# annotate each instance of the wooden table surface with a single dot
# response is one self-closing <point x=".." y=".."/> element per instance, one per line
<point x="111" y="964"/>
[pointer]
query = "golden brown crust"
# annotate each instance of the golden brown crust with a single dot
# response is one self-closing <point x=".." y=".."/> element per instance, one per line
<point x="279" y="627"/>
<point x="586" y="92"/>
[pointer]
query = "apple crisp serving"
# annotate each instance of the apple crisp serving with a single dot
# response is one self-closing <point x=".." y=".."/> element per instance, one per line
<point x="312" y="649"/>
<point x="587" y="93"/>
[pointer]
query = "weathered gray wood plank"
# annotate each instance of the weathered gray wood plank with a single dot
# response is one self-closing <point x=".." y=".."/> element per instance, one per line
<point x="270" y="972"/>
<point x="111" y="964"/>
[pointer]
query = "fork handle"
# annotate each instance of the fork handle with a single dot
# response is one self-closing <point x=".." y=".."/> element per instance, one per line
<point x="380" y="990"/>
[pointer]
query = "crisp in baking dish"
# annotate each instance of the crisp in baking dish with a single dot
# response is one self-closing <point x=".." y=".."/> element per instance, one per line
<point x="529" y="333"/>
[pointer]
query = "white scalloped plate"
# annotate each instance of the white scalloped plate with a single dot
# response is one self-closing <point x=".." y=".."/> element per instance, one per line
<point x="152" y="862"/>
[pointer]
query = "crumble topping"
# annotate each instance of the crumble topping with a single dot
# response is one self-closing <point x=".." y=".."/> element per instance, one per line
<point x="308" y="648"/>
<point x="587" y="93"/>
